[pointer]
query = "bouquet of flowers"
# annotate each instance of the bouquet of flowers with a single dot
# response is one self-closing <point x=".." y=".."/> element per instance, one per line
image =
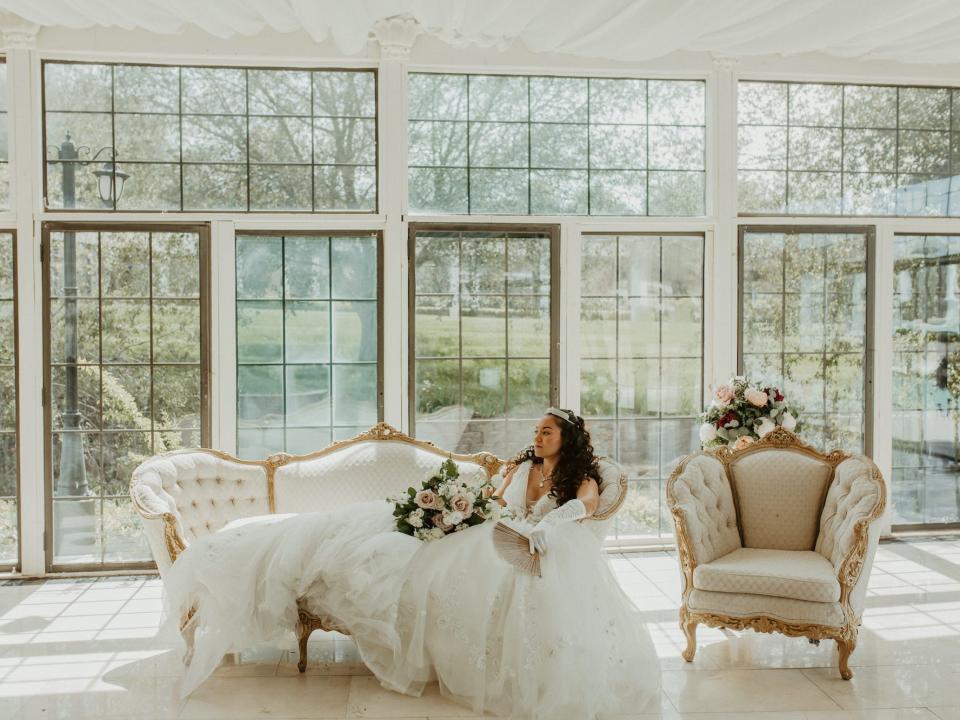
<point x="742" y="412"/>
<point x="443" y="505"/>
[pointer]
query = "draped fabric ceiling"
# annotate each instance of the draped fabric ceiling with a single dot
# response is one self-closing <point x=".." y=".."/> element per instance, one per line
<point x="923" y="31"/>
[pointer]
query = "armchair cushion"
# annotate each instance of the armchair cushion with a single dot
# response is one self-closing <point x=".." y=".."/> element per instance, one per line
<point x="779" y="495"/>
<point x="795" y="574"/>
<point x="748" y="605"/>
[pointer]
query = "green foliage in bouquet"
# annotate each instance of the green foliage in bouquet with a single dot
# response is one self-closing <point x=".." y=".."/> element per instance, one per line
<point x="442" y="505"/>
<point x="742" y="412"/>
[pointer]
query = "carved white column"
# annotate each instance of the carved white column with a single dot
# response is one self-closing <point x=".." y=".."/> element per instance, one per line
<point x="396" y="37"/>
<point x="19" y="40"/>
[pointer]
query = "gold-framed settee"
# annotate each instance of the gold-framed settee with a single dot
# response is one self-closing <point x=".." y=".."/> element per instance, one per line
<point x="776" y="537"/>
<point x="185" y="494"/>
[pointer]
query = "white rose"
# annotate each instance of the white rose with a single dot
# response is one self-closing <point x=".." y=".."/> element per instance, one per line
<point x="708" y="432"/>
<point x="416" y="518"/>
<point x="454" y="517"/>
<point x="765" y="426"/>
<point x="788" y="421"/>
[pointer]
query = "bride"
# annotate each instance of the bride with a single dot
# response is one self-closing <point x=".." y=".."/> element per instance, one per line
<point x="568" y="644"/>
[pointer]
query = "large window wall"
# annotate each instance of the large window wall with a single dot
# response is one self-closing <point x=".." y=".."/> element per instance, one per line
<point x="317" y="335"/>
<point x="126" y="376"/>
<point x="641" y="367"/>
<point x="309" y="333"/>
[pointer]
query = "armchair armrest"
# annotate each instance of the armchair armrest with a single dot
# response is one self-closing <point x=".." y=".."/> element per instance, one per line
<point x="701" y="502"/>
<point x="849" y="528"/>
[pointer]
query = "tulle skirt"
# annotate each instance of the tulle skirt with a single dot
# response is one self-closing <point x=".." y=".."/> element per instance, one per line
<point x="569" y="644"/>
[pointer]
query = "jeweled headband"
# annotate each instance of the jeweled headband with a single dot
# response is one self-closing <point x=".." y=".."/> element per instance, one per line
<point x="562" y="414"/>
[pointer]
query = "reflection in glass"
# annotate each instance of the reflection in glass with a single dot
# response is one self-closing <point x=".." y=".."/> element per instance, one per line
<point x="641" y="366"/>
<point x="308" y="343"/>
<point x="926" y="379"/>
<point x="831" y="149"/>
<point x="482" y="338"/>
<point x="804" y="327"/>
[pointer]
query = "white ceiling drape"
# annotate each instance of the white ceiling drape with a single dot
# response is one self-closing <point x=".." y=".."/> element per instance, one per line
<point x="922" y="31"/>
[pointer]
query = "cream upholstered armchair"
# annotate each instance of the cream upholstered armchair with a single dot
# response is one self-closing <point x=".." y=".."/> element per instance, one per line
<point x="776" y="537"/>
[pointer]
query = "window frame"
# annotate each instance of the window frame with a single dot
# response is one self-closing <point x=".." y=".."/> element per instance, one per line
<point x="869" y="350"/>
<point x="908" y="528"/>
<point x="413" y="228"/>
<point x="206" y="410"/>
<point x="378" y="234"/>
<point x="372" y="69"/>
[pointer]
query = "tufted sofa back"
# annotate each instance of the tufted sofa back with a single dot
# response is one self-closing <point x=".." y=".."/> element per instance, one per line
<point x="188" y="493"/>
<point x="357" y="473"/>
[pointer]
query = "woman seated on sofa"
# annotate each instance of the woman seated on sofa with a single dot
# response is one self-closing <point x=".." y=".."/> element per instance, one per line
<point x="568" y="644"/>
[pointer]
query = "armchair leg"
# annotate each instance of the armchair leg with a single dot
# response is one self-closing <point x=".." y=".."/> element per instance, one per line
<point x="846" y="646"/>
<point x="303" y="635"/>
<point x="689" y="628"/>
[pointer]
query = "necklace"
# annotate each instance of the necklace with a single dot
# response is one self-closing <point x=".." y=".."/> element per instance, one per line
<point x="543" y="478"/>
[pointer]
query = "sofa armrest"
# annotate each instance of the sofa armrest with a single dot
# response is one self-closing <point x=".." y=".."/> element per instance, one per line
<point x="162" y="523"/>
<point x="849" y="534"/>
<point x="701" y="502"/>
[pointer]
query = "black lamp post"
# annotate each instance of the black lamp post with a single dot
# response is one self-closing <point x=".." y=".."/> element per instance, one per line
<point x="72" y="479"/>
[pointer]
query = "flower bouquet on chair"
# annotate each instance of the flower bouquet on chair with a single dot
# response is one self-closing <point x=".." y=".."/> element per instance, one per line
<point x="444" y="504"/>
<point x="742" y="412"/>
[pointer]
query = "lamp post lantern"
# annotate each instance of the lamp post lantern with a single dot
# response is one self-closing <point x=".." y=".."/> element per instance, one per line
<point x="72" y="477"/>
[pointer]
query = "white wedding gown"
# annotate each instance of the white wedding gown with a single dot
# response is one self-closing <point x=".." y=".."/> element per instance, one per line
<point x="567" y="645"/>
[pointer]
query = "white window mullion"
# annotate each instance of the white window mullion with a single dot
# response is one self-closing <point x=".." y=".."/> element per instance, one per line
<point x="720" y="252"/>
<point x="24" y="102"/>
<point x="569" y="380"/>
<point x="223" y="337"/>
<point x="882" y="348"/>
<point x="392" y="123"/>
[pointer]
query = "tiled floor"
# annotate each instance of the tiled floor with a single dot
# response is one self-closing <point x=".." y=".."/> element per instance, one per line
<point x="87" y="649"/>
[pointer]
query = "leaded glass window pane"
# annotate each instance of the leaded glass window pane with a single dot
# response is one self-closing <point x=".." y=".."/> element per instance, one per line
<point x="641" y="366"/>
<point x="491" y="144"/>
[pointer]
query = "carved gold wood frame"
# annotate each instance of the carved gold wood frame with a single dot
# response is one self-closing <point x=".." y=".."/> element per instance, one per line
<point x="850" y="567"/>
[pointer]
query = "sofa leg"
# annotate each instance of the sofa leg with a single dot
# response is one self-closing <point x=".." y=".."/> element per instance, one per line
<point x="689" y="628"/>
<point x="303" y="635"/>
<point x="846" y="647"/>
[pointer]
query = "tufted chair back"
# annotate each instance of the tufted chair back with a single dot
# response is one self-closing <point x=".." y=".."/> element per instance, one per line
<point x="779" y="493"/>
<point x="360" y="472"/>
<point x="699" y="490"/>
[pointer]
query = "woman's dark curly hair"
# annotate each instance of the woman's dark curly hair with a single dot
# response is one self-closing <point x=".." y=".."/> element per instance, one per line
<point x="575" y="463"/>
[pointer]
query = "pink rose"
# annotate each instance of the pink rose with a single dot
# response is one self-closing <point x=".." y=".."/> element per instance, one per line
<point x="755" y="397"/>
<point x="742" y="442"/>
<point x="461" y="503"/>
<point x="428" y="500"/>
<point x="724" y="394"/>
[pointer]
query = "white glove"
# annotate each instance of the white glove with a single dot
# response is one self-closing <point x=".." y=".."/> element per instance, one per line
<point x="571" y="510"/>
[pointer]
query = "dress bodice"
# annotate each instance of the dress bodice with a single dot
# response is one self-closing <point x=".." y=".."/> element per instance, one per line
<point x="516" y="494"/>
